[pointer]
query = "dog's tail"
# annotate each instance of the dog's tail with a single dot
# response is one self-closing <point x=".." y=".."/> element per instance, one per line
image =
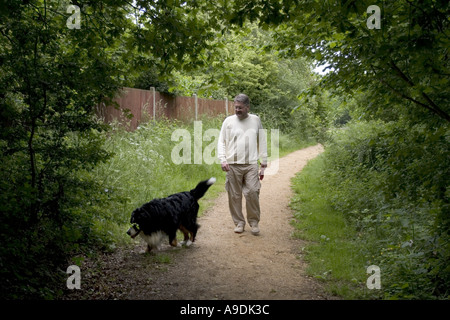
<point x="202" y="187"/>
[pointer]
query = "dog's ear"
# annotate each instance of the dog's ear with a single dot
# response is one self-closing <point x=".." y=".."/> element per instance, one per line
<point x="136" y="216"/>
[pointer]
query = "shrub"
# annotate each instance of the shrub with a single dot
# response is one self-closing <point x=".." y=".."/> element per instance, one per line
<point x="391" y="181"/>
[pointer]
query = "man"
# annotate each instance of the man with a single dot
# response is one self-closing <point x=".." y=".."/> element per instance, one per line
<point x="241" y="143"/>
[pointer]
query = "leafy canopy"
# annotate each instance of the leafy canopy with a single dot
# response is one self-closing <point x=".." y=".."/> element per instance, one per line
<point x="404" y="62"/>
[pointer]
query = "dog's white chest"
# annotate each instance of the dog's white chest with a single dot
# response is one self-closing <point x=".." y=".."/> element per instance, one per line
<point x="155" y="239"/>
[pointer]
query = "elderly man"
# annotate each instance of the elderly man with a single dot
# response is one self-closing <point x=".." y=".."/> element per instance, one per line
<point x="242" y="142"/>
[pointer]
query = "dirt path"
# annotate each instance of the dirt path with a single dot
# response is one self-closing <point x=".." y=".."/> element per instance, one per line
<point x="221" y="264"/>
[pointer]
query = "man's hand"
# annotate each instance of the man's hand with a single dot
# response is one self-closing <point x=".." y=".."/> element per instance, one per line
<point x="261" y="172"/>
<point x="225" y="167"/>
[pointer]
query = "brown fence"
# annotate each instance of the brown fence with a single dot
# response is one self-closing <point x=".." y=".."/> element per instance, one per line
<point x="136" y="106"/>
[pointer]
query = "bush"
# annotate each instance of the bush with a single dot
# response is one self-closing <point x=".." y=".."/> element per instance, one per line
<point x="40" y="226"/>
<point x="391" y="181"/>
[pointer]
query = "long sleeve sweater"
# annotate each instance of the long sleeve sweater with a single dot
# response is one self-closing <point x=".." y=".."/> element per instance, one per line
<point x="242" y="141"/>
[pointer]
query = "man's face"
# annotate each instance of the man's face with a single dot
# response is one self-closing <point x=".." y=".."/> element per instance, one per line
<point x="241" y="110"/>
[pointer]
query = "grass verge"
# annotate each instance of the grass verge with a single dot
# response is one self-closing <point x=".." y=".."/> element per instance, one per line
<point x="333" y="252"/>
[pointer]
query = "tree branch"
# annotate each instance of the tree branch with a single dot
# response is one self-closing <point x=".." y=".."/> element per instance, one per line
<point x="431" y="104"/>
<point x="438" y="112"/>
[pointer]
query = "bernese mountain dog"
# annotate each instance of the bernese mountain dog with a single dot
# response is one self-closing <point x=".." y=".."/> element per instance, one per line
<point x="163" y="217"/>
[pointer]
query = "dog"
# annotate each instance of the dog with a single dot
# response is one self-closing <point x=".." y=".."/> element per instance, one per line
<point x="160" y="218"/>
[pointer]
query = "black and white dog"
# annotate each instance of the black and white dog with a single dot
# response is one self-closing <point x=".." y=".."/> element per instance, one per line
<point x="163" y="217"/>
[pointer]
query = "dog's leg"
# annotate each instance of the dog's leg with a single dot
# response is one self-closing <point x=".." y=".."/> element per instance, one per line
<point x="194" y="232"/>
<point x="173" y="239"/>
<point x="185" y="233"/>
<point x="147" y="250"/>
<point x="191" y="238"/>
<point x="188" y="242"/>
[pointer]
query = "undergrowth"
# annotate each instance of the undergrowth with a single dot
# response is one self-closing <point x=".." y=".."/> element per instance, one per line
<point x="379" y="196"/>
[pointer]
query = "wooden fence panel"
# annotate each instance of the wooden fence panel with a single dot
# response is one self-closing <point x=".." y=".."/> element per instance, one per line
<point x="139" y="104"/>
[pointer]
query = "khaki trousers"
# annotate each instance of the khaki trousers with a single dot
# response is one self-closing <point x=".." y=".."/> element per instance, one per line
<point x="243" y="179"/>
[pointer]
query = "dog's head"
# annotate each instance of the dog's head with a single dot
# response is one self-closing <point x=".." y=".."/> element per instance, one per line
<point x="134" y="230"/>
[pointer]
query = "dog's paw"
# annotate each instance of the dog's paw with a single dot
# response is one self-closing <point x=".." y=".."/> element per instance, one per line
<point x="187" y="243"/>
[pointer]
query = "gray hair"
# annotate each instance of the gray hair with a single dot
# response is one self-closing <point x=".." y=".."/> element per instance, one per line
<point x="243" y="98"/>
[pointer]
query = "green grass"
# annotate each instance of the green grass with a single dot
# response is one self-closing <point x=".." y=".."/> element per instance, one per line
<point x="333" y="252"/>
<point x="288" y="144"/>
<point x="161" y="258"/>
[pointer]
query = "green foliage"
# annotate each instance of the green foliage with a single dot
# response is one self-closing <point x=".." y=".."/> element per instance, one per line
<point x="174" y="33"/>
<point x="51" y="78"/>
<point x="244" y="64"/>
<point x="149" y="76"/>
<point x="390" y="180"/>
<point x="334" y="251"/>
<point x="404" y="63"/>
<point x="378" y="195"/>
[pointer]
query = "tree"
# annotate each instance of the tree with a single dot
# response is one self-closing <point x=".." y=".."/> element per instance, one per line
<point x="173" y="32"/>
<point x="58" y="60"/>
<point x="405" y="62"/>
<point x="242" y="63"/>
<point x="51" y="78"/>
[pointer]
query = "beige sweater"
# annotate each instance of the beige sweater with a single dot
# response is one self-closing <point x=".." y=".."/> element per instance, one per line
<point x="242" y="141"/>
